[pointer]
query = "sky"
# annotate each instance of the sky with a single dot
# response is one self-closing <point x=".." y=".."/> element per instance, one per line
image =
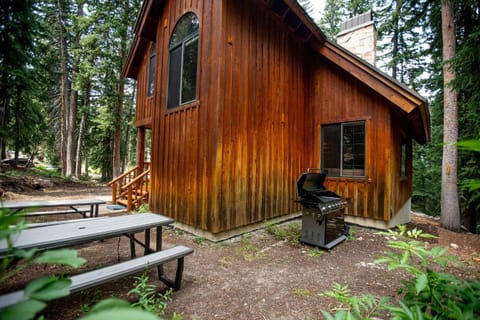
<point x="318" y="5"/>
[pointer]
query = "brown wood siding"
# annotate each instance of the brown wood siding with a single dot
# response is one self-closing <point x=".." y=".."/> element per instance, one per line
<point x="143" y="111"/>
<point x="184" y="139"/>
<point x="231" y="158"/>
<point x="401" y="185"/>
<point x="263" y="118"/>
<point x="337" y="97"/>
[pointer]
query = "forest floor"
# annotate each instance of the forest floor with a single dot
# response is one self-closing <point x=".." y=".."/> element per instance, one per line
<point x="253" y="276"/>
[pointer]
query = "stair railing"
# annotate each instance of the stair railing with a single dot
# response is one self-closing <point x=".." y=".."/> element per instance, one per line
<point x="137" y="190"/>
<point x="124" y="179"/>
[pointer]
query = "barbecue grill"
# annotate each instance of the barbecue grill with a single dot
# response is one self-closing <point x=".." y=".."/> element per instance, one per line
<point x="319" y="205"/>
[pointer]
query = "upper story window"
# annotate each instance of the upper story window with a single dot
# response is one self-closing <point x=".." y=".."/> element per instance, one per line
<point x="343" y="149"/>
<point x="151" y="71"/>
<point x="182" y="74"/>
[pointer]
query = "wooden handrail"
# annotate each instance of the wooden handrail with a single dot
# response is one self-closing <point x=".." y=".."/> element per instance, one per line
<point x="139" y="177"/>
<point x="126" y="173"/>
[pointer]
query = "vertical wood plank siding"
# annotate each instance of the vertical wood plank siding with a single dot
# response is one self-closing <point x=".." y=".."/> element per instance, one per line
<point x="338" y="97"/>
<point x="232" y="157"/>
<point x="143" y="114"/>
<point x="263" y="118"/>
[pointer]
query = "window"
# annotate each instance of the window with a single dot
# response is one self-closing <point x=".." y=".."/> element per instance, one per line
<point x="343" y="149"/>
<point x="403" y="159"/>
<point x="182" y="75"/>
<point x="151" y="71"/>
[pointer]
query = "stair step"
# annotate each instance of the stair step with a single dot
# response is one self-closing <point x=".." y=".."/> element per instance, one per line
<point x="123" y="202"/>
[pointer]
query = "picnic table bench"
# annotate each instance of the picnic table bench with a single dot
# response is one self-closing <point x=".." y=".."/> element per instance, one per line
<point x="85" y="207"/>
<point x="101" y="276"/>
<point x="82" y="231"/>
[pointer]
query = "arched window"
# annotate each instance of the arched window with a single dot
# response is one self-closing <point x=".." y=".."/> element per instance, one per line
<point x="182" y="74"/>
<point x="151" y="71"/>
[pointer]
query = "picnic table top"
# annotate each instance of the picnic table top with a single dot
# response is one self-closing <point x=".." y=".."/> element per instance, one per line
<point x="49" y="203"/>
<point x="86" y="230"/>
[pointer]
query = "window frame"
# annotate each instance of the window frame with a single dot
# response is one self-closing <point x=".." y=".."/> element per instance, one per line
<point x="151" y="70"/>
<point x="174" y="102"/>
<point x="341" y="148"/>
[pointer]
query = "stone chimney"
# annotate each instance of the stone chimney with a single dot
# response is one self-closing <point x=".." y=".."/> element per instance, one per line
<point x="359" y="36"/>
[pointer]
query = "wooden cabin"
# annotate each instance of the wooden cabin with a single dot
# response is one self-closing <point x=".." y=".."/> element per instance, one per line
<point x="241" y="97"/>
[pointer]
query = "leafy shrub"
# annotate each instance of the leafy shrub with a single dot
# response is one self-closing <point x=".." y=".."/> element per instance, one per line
<point x="148" y="298"/>
<point x="39" y="291"/>
<point x="365" y="306"/>
<point x="427" y="295"/>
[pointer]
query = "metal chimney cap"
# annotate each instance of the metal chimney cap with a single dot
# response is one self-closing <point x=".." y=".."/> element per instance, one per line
<point x="356" y="21"/>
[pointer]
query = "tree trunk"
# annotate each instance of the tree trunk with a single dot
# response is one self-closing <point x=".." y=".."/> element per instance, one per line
<point x="73" y="107"/>
<point x="17" y="125"/>
<point x="81" y="133"/>
<point x="63" y="87"/>
<point x="82" y="129"/>
<point x="3" y="115"/>
<point x="130" y="153"/>
<point x="118" y="131"/>
<point x="450" y="215"/>
<point x="71" y="128"/>
<point x="78" y="151"/>
<point x="120" y="90"/>
<point x="85" y="157"/>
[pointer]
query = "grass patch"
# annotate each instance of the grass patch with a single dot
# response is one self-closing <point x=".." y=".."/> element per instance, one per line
<point x="351" y="233"/>
<point x="315" y="252"/>
<point x="249" y="251"/>
<point x="143" y="208"/>
<point x="290" y="232"/>
<point x="199" y="239"/>
<point x="303" y="292"/>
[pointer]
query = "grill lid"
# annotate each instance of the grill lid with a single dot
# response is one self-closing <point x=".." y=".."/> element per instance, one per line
<point x="310" y="182"/>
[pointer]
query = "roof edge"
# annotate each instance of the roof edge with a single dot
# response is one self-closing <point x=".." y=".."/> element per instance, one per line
<point x="362" y="70"/>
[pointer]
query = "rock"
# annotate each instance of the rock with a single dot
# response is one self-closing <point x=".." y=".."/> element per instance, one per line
<point x="45" y="183"/>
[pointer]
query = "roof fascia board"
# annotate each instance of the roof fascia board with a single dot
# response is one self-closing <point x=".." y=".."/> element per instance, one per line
<point x="371" y="77"/>
<point x="397" y="93"/>
<point x="298" y="10"/>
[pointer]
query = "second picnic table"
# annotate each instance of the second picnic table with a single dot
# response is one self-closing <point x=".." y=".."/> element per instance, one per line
<point x="73" y="205"/>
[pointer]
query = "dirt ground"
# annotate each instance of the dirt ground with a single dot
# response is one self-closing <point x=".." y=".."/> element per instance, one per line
<point x="253" y="276"/>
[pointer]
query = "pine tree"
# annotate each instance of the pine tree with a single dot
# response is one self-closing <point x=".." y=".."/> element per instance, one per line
<point x="21" y="88"/>
<point x="355" y="7"/>
<point x="403" y="50"/>
<point x="333" y="15"/>
<point x="336" y="12"/>
<point x="450" y="216"/>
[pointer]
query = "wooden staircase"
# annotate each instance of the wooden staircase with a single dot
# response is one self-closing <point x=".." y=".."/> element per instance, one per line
<point x="131" y="189"/>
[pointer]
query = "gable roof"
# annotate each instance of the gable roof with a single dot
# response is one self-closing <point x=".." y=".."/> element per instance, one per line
<point x="408" y="104"/>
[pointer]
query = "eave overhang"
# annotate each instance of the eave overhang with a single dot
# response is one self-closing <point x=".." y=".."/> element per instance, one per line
<point x="145" y="32"/>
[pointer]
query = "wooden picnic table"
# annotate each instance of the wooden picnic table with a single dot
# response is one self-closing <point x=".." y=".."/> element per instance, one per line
<point x="81" y="231"/>
<point x="73" y="204"/>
